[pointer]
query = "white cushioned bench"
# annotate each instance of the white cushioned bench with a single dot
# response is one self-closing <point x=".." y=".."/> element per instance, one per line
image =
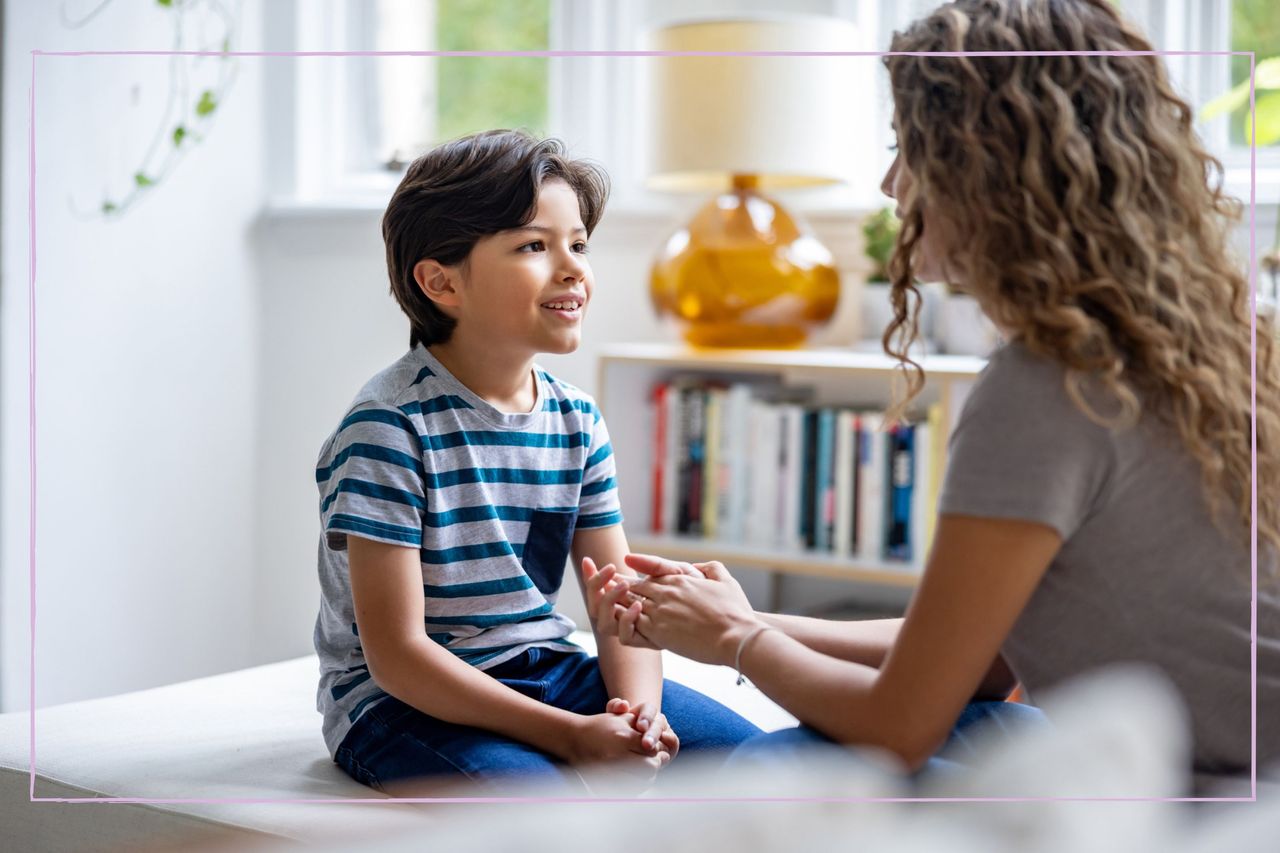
<point x="247" y="735"/>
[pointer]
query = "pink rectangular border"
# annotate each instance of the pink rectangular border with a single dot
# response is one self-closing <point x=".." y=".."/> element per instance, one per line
<point x="1253" y="551"/>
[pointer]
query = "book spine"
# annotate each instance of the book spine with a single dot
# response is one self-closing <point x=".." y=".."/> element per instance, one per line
<point x="692" y="438"/>
<point x="824" y="481"/>
<point x="754" y="446"/>
<point x="773" y="511"/>
<point x="871" y="485"/>
<point x="922" y="463"/>
<point x="937" y="467"/>
<point x="793" y="501"/>
<point x="684" y="457"/>
<point x="808" y="479"/>
<point x="856" y="500"/>
<point x="738" y="488"/>
<point x="710" y="496"/>
<point x="842" y="544"/>
<point x="671" y="465"/>
<point x="657" y="524"/>
<point x="898" y="545"/>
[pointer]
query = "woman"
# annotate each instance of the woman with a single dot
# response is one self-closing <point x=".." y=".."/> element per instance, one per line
<point x="1096" y="505"/>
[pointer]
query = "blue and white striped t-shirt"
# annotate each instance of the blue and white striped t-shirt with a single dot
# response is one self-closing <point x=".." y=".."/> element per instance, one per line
<point x="490" y="500"/>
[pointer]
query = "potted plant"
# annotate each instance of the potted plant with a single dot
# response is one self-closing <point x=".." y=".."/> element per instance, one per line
<point x="879" y="234"/>
<point x="950" y="320"/>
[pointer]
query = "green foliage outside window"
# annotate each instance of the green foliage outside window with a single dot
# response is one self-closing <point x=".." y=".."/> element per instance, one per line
<point x="479" y="93"/>
<point x="1255" y="26"/>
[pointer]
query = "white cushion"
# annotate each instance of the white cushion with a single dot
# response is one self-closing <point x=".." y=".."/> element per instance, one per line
<point x="247" y="735"/>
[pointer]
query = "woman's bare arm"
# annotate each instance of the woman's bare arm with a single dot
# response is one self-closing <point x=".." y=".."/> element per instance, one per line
<point x="868" y="641"/>
<point x="979" y="577"/>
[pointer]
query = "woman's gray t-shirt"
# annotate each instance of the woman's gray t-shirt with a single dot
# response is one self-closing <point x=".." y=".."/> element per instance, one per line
<point x="1143" y="575"/>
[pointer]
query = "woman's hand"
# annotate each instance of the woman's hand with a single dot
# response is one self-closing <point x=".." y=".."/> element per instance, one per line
<point x="701" y="614"/>
<point x="608" y="593"/>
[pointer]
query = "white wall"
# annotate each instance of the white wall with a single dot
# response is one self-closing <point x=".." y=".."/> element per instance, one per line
<point x="331" y="324"/>
<point x="192" y="358"/>
<point x="147" y="342"/>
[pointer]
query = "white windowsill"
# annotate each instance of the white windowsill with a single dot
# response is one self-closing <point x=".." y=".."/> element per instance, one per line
<point x="1235" y="180"/>
<point x="623" y="211"/>
<point x="639" y="208"/>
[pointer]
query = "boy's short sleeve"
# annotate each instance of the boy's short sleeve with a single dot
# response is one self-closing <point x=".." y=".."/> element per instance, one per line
<point x="372" y="481"/>
<point x="1023" y="450"/>
<point x="598" y="503"/>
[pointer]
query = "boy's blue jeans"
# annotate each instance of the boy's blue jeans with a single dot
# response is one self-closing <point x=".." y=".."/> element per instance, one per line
<point x="394" y="742"/>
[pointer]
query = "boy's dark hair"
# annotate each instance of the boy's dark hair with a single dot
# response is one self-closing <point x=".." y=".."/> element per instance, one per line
<point x="466" y="189"/>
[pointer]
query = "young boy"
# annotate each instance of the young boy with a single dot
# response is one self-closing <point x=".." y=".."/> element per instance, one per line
<point x="458" y="483"/>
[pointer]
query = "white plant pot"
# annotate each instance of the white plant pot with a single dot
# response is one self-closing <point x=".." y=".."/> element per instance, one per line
<point x="877" y="312"/>
<point x="962" y="328"/>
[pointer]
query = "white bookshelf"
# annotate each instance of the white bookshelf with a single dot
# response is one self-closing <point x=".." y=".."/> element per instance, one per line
<point x="629" y="372"/>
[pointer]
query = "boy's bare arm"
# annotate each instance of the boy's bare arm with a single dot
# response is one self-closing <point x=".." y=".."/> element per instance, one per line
<point x="386" y="586"/>
<point x="629" y="673"/>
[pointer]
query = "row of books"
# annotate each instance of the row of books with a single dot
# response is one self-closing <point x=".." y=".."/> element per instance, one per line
<point x="751" y="463"/>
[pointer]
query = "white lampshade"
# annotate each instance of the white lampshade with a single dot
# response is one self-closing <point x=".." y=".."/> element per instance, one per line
<point x="790" y="120"/>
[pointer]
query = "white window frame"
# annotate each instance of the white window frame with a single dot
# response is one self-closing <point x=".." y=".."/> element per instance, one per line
<point x="309" y="175"/>
<point x="1193" y="25"/>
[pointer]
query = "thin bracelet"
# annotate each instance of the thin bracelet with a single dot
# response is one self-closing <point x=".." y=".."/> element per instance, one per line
<point x="742" y="644"/>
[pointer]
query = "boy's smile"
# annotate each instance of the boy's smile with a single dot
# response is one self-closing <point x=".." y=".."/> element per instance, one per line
<point x="570" y="308"/>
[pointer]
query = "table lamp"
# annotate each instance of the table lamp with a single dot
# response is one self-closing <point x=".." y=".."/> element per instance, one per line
<point x="744" y="272"/>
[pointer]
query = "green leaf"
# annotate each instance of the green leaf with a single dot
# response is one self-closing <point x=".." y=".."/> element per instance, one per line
<point x="1268" y="109"/>
<point x="1266" y="73"/>
<point x="108" y="207"/>
<point x="1266" y="76"/>
<point x="179" y="134"/>
<point x="165" y="3"/>
<point x="142" y="180"/>
<point x="206" y="104"/>
<point x="1228" y="102"/>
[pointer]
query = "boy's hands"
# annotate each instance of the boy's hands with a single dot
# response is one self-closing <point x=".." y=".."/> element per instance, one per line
<point x="612" y="738"/>
<point x="605" y="591"/>
<point x="656" y="734"/>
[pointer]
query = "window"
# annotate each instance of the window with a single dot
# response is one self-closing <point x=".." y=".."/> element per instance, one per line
<point x="1192" y="25"/>
<point x="419" y="101"/>
<point x="352" y="132"/>
<point x="358" y="120"/>
<point x="1255" y="26"/>
<point x="362" y="119"/>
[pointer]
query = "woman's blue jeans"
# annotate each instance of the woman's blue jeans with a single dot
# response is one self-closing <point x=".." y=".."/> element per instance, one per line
<point x="998" y="719"/>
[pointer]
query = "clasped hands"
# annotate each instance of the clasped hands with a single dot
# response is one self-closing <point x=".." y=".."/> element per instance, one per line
<point x="694" y="609"/>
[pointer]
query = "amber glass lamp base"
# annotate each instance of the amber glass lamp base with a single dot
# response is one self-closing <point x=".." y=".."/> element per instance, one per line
<point x="744" y="273"/>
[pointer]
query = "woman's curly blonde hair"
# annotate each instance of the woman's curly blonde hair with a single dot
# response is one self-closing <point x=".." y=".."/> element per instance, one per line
<point x="1090" y="224"/>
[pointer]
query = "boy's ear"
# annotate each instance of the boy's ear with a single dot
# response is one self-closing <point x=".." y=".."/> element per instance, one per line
<point x="437" y="282"/>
